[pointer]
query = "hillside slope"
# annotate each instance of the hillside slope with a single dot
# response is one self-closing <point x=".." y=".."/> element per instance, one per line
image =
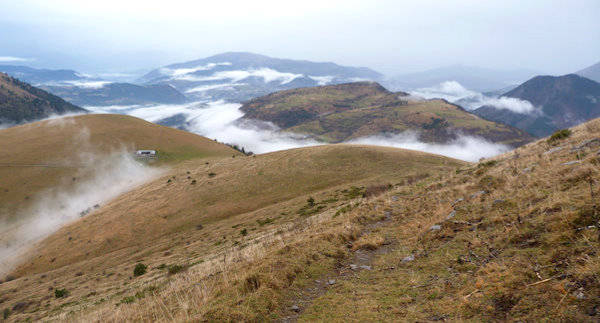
<point x="509" y="239"/>
<point x="200" y="193"/>
<point x="336" y="113"/>
<point x="199" y="211"/>
<point x="21" y="102"/>
<point x="42" y="155"/>
<point x="563" y="102"/>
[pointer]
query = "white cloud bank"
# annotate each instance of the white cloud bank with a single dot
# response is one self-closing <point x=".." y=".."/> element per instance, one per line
<point x="222" y="121"/>
<point x="322" y="80"/>
<point x="13" y="59"/>
<point x="177" y="72"/>
<point x="471" y="100"/>
<point x="513" y="104"/>
<point x="204" y="88"/>
<point x="88" y="84"/>
<point x="463" y="147"/>
<point x="218" y="120"/>
<point x="268" y="75"/>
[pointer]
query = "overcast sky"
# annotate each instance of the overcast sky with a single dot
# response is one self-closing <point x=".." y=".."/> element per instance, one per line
<point x="392" y="37"/>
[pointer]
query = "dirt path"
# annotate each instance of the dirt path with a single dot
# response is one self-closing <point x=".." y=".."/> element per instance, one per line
<point x="344" y="270"/>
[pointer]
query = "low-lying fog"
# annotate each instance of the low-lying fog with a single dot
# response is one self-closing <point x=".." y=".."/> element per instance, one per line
<point x="222" y="121"/>
<point x="217" y="120"/>
<point x="471" y="100"/>
<point x="102" y="177"/>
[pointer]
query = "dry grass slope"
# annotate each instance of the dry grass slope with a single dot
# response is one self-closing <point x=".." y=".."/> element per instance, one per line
<point x="514" y="238"/>
<point x="41" y="155"/>
<point x="208" y="216"/>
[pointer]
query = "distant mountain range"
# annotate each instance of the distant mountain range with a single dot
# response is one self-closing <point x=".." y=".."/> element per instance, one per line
<point x="560" y="102"/>
<point x="233" y="77"/>
<point x="41" y="76"/>
<point x="81" y="89"/>
<point x="473" y="78"/>
<point x="21" y="102"/>
<point x="118" y="94"/>
<point x="591" y="72"/>
<point x="339" y="113"/>
<point x="554" y="102"/>
<point x="240" y="76"/>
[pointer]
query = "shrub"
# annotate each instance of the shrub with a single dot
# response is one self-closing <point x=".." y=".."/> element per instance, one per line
<point x="140" y="269"/>
<point x="375" y="190"/>
<point x="174" y="269"/>
<point x="488" y="163"/>
<point x="60" y="293"/>
<point x="263" y="222"/>
<point x="244" y="232"/>
<point x="252" y="283"/>
<point x="311" y="201"/>
<point x="128" y="300"/>
<point x="560" y="134"/>
<point x="354" y="192"/>
<point x="211" y="175"/>
<point x="6" y="313"/>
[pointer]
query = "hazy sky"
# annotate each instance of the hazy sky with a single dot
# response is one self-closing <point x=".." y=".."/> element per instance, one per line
<point x="392" y="37"/>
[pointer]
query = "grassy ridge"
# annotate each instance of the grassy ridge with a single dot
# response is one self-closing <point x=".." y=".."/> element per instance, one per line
<point x="208" y="192"/>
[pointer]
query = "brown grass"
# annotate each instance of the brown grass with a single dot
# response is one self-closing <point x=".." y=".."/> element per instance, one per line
<point x="46" y="154"/>
<point x="220" y="260"/>
<point x="517" y="252"/>
<point x="368" y="242"/>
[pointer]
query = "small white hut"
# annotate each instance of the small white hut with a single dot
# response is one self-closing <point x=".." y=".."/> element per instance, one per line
<point x="145" y="153"/>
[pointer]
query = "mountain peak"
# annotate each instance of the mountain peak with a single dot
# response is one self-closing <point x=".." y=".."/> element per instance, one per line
<point x="561" y="102"/>
<point x="591" y="72"/>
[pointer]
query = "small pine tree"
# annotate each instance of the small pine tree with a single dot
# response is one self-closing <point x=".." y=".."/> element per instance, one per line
<point x="60" y="293"/>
